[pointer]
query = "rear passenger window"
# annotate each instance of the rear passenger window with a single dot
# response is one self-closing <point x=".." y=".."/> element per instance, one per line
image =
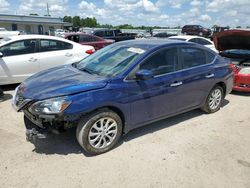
<point x="162" y="62"/>
<point x="192" y="57"/>
<point x="203" y="41"/>
<point x="193" y="40"/>
<point x="109" y="33"/>
<point x="54" y="45"/>
<point x="85" y="38"/>
<point x="99" y="33"/>
<point x="75" y="38"/>
<point x="93" y="38"/>
<point x="210" y="57"/>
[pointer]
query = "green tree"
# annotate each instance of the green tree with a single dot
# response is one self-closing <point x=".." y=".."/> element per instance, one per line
<point x="90" y="22"/>
<point x="67" y="19"/>
<point x="125" y="26"/>
<point x="34" y="14"/>
<point x="76" y="21"/>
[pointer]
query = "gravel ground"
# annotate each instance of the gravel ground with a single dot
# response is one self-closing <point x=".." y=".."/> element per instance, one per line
<point x="190" y="150"/>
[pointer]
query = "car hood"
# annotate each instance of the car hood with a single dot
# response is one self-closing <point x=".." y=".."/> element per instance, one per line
<point x="232" y="39"/>
<point x="60" y="81"/>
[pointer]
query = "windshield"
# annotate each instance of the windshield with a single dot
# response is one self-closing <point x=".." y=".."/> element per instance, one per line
<point x="111" y="60"/>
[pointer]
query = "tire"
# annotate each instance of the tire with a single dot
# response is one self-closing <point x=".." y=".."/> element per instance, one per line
<point x="97" y="128"/>
<point x="213" y="103"/>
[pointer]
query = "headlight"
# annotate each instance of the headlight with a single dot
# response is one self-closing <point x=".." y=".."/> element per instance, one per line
<point x="50" y="106"/>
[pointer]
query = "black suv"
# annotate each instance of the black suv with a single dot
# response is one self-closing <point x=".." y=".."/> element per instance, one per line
<point x="114" y="34"/>
<point x="196" y="30"/>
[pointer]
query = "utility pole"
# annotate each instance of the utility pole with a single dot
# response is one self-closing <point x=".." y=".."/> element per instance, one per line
<point x="48" y="9"/>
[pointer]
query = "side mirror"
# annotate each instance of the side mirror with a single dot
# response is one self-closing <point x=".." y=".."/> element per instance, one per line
<point x="1" y="54"/>
<point x="144" y="74"/>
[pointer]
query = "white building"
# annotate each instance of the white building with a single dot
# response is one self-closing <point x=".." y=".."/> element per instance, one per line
<point x="32" y="24"/>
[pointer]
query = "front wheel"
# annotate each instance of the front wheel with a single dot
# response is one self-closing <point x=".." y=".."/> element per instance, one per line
<point x="214" y="100"/>
<point x="99" y="132"/>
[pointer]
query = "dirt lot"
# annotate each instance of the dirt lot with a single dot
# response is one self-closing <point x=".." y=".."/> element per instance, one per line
<point x="189" y="150"/>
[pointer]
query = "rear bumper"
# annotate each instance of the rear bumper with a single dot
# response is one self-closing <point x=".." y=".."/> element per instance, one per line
<point x="243" y="89"/>
<point x="241" y="82"/>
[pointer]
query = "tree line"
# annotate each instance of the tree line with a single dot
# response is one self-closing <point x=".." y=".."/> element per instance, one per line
<point x="92" y="22"/>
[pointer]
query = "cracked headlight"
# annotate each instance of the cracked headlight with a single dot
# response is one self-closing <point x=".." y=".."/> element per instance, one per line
<point x="50" y="106"/>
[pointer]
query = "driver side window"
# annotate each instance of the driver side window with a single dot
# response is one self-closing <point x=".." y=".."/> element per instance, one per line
<point x="162" y="62"/>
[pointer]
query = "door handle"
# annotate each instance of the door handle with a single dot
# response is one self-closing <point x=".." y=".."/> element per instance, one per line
<point x="209" y="76"/>
<point x="32" y="59"/>
<point x="68" y="54"/>
<point x="175" y="84"/>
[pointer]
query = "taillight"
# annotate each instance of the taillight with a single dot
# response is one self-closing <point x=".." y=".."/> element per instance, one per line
<point x="234" y="67"/>
<point x="91" y="51"/>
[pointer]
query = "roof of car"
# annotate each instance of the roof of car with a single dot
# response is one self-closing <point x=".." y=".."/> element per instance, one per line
<point x="151" y="43"/>
<point x="24" y="37"/>
<point x="190" y="25"/>
<point x="106" y="30"/>
<point x="78" y="33"/>
<point x="187" y="37"/>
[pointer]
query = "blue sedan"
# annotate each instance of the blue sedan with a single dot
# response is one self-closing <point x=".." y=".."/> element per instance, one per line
<point x="121" y="87"/>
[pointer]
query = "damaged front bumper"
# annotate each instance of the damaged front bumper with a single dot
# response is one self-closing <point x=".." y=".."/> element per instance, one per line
<point x="39" y="126"/>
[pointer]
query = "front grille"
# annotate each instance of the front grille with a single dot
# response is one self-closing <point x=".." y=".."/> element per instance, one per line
<point x="245" y="85"/>
<point x="19" y="100"/>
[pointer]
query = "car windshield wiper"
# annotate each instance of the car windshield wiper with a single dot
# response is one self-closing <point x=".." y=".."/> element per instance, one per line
<point x="75" y="64"/>
<point x="87" y="70"/>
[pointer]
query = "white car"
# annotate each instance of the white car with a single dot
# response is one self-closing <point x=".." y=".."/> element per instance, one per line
<point x="5" y="33"/>
<point x="59" y="32"/>
<point x="196" y="39"/>
<point x="23" y="56"/>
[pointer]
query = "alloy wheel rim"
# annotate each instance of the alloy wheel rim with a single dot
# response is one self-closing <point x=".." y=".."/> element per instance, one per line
<point x="215" y="99"/>
<point x="102" y="133"/>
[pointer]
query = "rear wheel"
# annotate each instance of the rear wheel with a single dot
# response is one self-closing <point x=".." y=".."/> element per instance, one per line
<point x="214" y="100"/>
<point x="99" y="132"/>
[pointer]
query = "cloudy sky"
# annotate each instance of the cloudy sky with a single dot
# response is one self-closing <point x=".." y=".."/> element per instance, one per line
<point x="141" y="12"/>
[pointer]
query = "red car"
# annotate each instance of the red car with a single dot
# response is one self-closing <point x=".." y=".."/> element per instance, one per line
<point x="235" y="44"/>
<point x="86" y="39"/>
